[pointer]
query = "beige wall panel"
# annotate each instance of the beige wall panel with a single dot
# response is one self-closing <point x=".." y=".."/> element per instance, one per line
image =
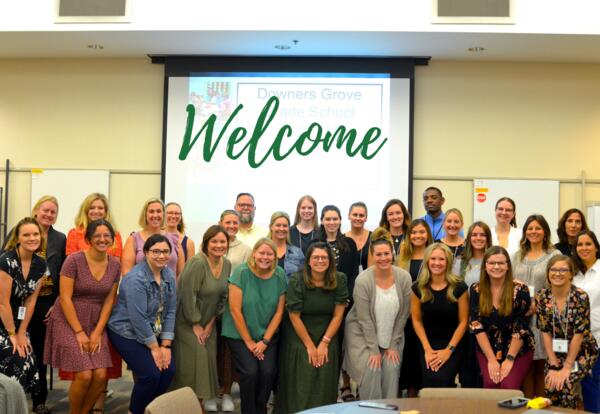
<point x="128" y="192"/>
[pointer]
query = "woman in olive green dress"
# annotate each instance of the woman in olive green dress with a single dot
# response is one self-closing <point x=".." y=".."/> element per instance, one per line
<point x="201" y="296"/>
<point x="309" y="364"/>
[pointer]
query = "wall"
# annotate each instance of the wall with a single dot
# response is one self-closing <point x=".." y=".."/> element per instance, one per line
<point x="472" y="120"/>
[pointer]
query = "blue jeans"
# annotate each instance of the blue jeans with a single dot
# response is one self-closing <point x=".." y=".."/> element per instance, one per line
<point x="591" y="390"/>
<point x="149" y="381"/>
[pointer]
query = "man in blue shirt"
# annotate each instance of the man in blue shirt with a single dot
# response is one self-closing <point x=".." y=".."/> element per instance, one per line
<point x="433" y="200"/>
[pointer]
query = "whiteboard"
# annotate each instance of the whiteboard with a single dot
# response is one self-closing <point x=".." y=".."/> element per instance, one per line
<point x="530" y="196"/>
<point x="70" y="187"/>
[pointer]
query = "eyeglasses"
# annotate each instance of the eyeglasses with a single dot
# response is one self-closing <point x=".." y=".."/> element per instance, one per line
<point x="319" y="258"/>
<point x="562" y="271"/>
<point x="173" y="213"/>
<point x="245" y="205"/>
<point x="504" y="210"/>
<point x="494" y="264"/>
<point x="158" y="252"/>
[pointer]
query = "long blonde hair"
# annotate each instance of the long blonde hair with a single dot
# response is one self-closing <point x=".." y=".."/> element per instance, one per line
<point x="81" y="219"/>
<point x="13" y="238"/>
<point x="406" y="248"/>
<point x="142" y="219"/>
<point x="424" y="279"/>
<point x="41" y="201"/>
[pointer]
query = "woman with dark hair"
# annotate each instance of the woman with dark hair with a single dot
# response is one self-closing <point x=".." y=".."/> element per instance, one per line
<point x="440" y="313"/>
<point x="563" y="317"/>
<point x="499" y="306"/>
<point x="305" y="227"/>
<point x="395" y="218"/>
<point x="587" y="263"/>
<point x="289" y="257"/>
<point x="309" y="363"/>
<point x="375" y="324"/>
<point x="410" y="259"/>
<point x="201" y="296"/>
<point x="21" y="273"/>
<point x="361" y="236"/>
<point x="142" y="325"/>
<point x="346" y="257"/>
<point x="251" y="321"/>
<point x="76" y="340"/>
<point x="569" y="225"/>
<point x="529" y="266"/>
<point x="505" y="233"/>
<point x="174" y="224"/>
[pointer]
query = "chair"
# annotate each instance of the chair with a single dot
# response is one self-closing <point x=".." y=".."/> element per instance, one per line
<point x="470" y="393"/>
<point x="183" y="400"/>
<point x="12" y="397"/>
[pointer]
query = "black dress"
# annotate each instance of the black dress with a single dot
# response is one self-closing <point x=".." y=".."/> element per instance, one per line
<point x="410" y="372"/>
<point x="565" y="248"/>
<point x="302" y="240"/>
<point x="12" y="365"/>
<point x="440" y="319"/>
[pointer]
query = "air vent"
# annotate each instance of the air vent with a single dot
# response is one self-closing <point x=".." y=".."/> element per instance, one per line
<point x="473" y="11"/>
<point x="92" y="11"/>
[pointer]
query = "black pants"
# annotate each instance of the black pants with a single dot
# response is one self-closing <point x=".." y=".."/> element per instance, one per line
<point x="37" y="335"/>
<point x="256" y="377"/>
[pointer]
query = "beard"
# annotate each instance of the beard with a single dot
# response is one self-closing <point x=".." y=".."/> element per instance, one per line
<point x="247" y="218"/>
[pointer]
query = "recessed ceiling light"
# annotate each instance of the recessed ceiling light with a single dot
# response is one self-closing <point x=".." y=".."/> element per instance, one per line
<point x="95" y="46"/>
<point x="476" y="49"/>
<point x="282" y="47"/>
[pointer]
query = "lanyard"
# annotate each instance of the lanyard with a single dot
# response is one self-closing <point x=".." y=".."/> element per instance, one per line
<point x="555" y="310"/>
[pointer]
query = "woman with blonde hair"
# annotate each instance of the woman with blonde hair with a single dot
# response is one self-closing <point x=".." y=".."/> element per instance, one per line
<point x="94" y="207"/>
<point x="251" y="322"/>
<point x="174" y="224"/>
<point x="306" y="224"/>
<point x="499" y="305"/>
<point x="440" y="313"/>
<point x="151" y="220"/>
<point x="289" y="257"/>
<point x="453" y="225"/>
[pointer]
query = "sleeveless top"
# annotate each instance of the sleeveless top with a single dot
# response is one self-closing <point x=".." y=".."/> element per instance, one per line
<point x="139" y="249"/>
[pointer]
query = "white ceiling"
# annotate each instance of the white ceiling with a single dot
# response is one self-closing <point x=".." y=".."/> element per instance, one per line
<point x="438" y="45"/>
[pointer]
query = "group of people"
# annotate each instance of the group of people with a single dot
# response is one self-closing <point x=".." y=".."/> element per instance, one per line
<point x="289" y="309"/>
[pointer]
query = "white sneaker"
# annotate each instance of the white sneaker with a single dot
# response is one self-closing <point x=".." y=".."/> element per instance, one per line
<point x="211" y="405"/>
<point x="228" y="405"/>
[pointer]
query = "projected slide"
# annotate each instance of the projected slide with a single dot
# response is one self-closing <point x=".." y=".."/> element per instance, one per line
<point x="339" y="137"/>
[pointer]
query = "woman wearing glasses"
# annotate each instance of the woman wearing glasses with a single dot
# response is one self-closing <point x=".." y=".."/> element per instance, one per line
<point x="498" y="308"/>
<point x="142" y="325"/>
<point x="563" y="317"/>
<point x="505" y="233"/>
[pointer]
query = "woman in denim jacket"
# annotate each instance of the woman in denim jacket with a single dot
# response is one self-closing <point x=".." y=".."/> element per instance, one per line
<point x="142" y="324"/>
<point x="289" y="257"/>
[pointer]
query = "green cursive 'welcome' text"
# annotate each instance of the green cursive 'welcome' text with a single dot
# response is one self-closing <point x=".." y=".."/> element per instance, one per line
<point x="306" y="142"/>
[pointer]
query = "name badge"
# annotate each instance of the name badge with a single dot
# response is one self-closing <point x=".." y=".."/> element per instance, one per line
<point x="21" y="313"/>
<point x="531" y="290"/>
<point x="560" y="345"/>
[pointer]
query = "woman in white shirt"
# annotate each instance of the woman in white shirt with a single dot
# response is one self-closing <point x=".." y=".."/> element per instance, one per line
<point x="587" y="261"/>
<point x="505" y="233"/>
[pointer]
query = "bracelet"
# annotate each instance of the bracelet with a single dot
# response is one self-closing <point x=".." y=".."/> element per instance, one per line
<point x="452" y="348"/>
<point x="326" y="339"/>
<point x="78" y="332"/>
<point x="11" y="333"/>
<point x="265" y="341"/>
<point x="166" y="346"/>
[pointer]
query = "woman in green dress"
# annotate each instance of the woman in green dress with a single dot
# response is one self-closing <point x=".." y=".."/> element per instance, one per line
<point x="309" y="364"/>
<point x="201" y="296"/>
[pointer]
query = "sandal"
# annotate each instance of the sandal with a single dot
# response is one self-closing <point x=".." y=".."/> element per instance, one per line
<point x="96" y="411"/>
<point x="346" y="394"/>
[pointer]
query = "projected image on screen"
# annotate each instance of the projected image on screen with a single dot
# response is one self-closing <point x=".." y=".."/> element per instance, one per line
<point x="339" y="137"/>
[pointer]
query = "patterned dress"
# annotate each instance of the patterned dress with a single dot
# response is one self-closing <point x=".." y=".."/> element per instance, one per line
<point x="12" y="365"/>
<point x="576" y="319"/>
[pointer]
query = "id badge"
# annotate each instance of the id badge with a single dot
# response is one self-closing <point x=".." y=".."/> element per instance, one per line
<point x="21" y="313"/>
<point x="560" y="345"/>
<point x="531" y="290"/>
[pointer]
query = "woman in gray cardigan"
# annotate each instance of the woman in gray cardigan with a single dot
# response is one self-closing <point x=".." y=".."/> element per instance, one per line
<point x="374" y="336"/>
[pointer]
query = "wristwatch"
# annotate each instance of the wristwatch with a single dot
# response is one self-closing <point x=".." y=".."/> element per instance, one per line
<point x="510" y="358"/>
<point x="265" y="341"/>
<point x="452" y="348"/>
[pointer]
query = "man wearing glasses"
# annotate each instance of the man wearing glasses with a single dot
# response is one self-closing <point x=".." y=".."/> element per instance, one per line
<point x="248" y="233"/>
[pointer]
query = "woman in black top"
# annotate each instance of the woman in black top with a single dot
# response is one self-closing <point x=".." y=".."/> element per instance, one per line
<point x="569" y="225"/>
<point x="346" y="258"/>
<point x="395" y="218"/>
<point x="361" y="236"/>
<point x="305" y="227"/>
<point x="440" y="313"/>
